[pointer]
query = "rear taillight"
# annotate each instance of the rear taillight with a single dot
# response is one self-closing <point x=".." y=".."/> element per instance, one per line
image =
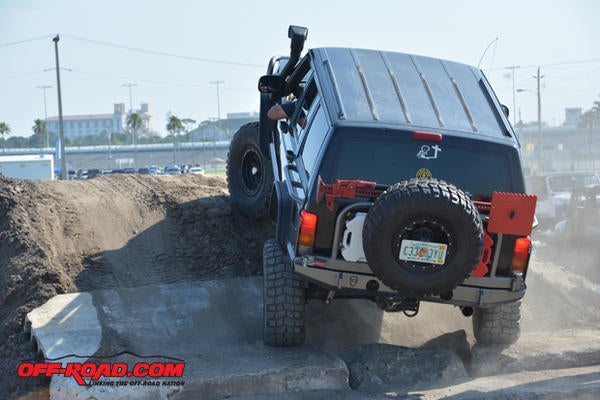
<point x="308" y="228"/>
<point x="521" y="253"/>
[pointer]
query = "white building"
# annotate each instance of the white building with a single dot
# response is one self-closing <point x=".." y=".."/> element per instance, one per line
<point x="95" y="124"/>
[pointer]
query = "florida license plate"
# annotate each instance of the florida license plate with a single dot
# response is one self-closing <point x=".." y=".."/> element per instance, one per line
<point x="425" y="252"/>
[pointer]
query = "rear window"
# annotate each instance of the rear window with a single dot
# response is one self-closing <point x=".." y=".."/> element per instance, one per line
<point x="387" y="158"/>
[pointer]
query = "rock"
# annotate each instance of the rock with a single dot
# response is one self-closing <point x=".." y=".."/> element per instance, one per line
<point x="376" y="364"/>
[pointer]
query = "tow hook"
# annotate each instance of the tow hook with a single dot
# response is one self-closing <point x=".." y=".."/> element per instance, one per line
<point x="409" y="306"/>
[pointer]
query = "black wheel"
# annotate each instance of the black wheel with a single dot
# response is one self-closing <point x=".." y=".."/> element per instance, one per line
<point x="499" y="325"/>
<point x="422" y="210"/>
<point x="284" y="299"/>
<point x="249" y="173"/>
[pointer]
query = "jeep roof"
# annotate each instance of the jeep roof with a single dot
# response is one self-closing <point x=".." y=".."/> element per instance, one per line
<point x="394" y="88"/>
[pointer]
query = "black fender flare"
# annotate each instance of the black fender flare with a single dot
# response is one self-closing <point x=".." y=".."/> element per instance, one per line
<point x="281" y="211"/>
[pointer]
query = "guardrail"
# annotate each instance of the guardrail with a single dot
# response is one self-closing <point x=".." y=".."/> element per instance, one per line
<point x="122" y="148"/>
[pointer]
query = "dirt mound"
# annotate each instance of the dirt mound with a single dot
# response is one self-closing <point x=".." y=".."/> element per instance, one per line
<point x="114" y="231"/>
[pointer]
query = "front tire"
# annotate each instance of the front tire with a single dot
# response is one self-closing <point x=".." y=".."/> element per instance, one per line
<point x="249" y="173"/>
<point x="284" y="299"/>
<point x="500" y="325"/>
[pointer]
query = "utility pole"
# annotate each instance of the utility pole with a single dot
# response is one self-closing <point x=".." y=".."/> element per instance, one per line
<point x="61" y="134"/>
<point x="539" y="108"/>
<point x="44" y="87"/>
<point x="514" y="110"/>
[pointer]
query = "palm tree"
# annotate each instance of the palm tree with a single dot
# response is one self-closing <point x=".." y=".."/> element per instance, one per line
<point x="591" y="118"/>
<point x="134" y="122"/>
<point x="174" y="126"/>
<point x="4" y="130"/>
<point x="39" y="130"/>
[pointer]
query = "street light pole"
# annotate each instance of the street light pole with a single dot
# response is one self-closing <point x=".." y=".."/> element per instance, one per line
<point x="130" y="85"/>
<point x="217" y="83"/>
<point x="512" y="68"/>
<point x="134" y="133"/>
<point x="44" y="87"/>
<point x="539" y="107"/>
<point x="63" y="164"/>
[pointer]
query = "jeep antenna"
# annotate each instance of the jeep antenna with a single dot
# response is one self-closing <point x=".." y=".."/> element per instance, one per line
<point x="485" y="51"/>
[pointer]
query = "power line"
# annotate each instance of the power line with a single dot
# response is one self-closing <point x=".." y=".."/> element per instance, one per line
<point x="151" y="81"/>
<point x="25" y="40"/>
<point x="22" y="74"/>
<point x="160" y="53"/>
<point x="553" y="64"/>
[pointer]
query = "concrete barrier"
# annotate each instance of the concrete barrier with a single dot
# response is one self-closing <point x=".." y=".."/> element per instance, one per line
<point x="215" y="327"/>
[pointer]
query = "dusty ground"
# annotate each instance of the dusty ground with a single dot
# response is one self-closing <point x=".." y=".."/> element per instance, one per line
<point x="58" y="237"/>
<point x="124" y="231"/>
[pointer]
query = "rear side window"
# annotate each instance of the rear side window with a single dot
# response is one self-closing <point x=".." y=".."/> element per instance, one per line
<point x="313" y="140"/>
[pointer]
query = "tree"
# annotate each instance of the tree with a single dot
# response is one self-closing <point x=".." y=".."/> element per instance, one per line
<point x="134" y="122"/>
<point x="174" y="126"/>
<point x="4" y="131"/>
<point x="591" y="118"/>
<point x="39" y="133"/>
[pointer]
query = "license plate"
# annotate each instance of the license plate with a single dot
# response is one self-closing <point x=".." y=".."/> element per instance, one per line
<point x="425" y="252"/>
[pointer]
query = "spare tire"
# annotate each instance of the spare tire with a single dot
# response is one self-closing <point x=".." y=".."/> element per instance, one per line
<point x="422" y="210"/>
<point x="249" y="173"/>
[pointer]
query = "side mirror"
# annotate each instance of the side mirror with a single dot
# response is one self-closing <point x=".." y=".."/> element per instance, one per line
<point x="270" y="84"/>
<point x="505" y="110"/>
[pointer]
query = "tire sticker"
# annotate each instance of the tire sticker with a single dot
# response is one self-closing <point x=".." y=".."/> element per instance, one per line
<point x="424" y="173"/>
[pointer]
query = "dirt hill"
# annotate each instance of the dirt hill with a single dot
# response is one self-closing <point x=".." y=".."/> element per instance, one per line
<point x="114" y="231"/>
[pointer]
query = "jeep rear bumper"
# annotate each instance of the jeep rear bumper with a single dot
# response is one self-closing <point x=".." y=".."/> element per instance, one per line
<point x="477" y="292"/>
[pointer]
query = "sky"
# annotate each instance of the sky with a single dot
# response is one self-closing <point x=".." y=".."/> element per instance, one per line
<point x="172" y="51"/>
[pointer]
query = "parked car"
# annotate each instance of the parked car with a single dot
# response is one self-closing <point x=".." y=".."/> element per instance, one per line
<point x="94" y="173"/>
<point x="82" y="174"/>
<point x="196" y="170"/>
<point x="172" y="170"/>
<point x="554" y="193"/>
<point x="583" y="216"/>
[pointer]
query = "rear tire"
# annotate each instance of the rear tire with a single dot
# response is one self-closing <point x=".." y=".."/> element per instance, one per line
<point x="249" y="173"/>
<point x="284" y="299"/>
<point x="498" y="325"/>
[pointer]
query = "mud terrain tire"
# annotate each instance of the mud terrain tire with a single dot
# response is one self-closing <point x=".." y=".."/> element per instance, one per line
<point x="498" y="325"/>
<point x="284" y="299"/>
<point x="249" y="173"/>
<point x="425" y="210"/>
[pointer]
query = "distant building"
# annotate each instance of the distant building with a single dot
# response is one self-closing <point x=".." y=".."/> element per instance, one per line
<point x="560" y="148"/>
<point x="224" y="129"/>
<point x="235" y="120"/>
<point x="572" y="116"/>
<point x="95" y="124"/>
